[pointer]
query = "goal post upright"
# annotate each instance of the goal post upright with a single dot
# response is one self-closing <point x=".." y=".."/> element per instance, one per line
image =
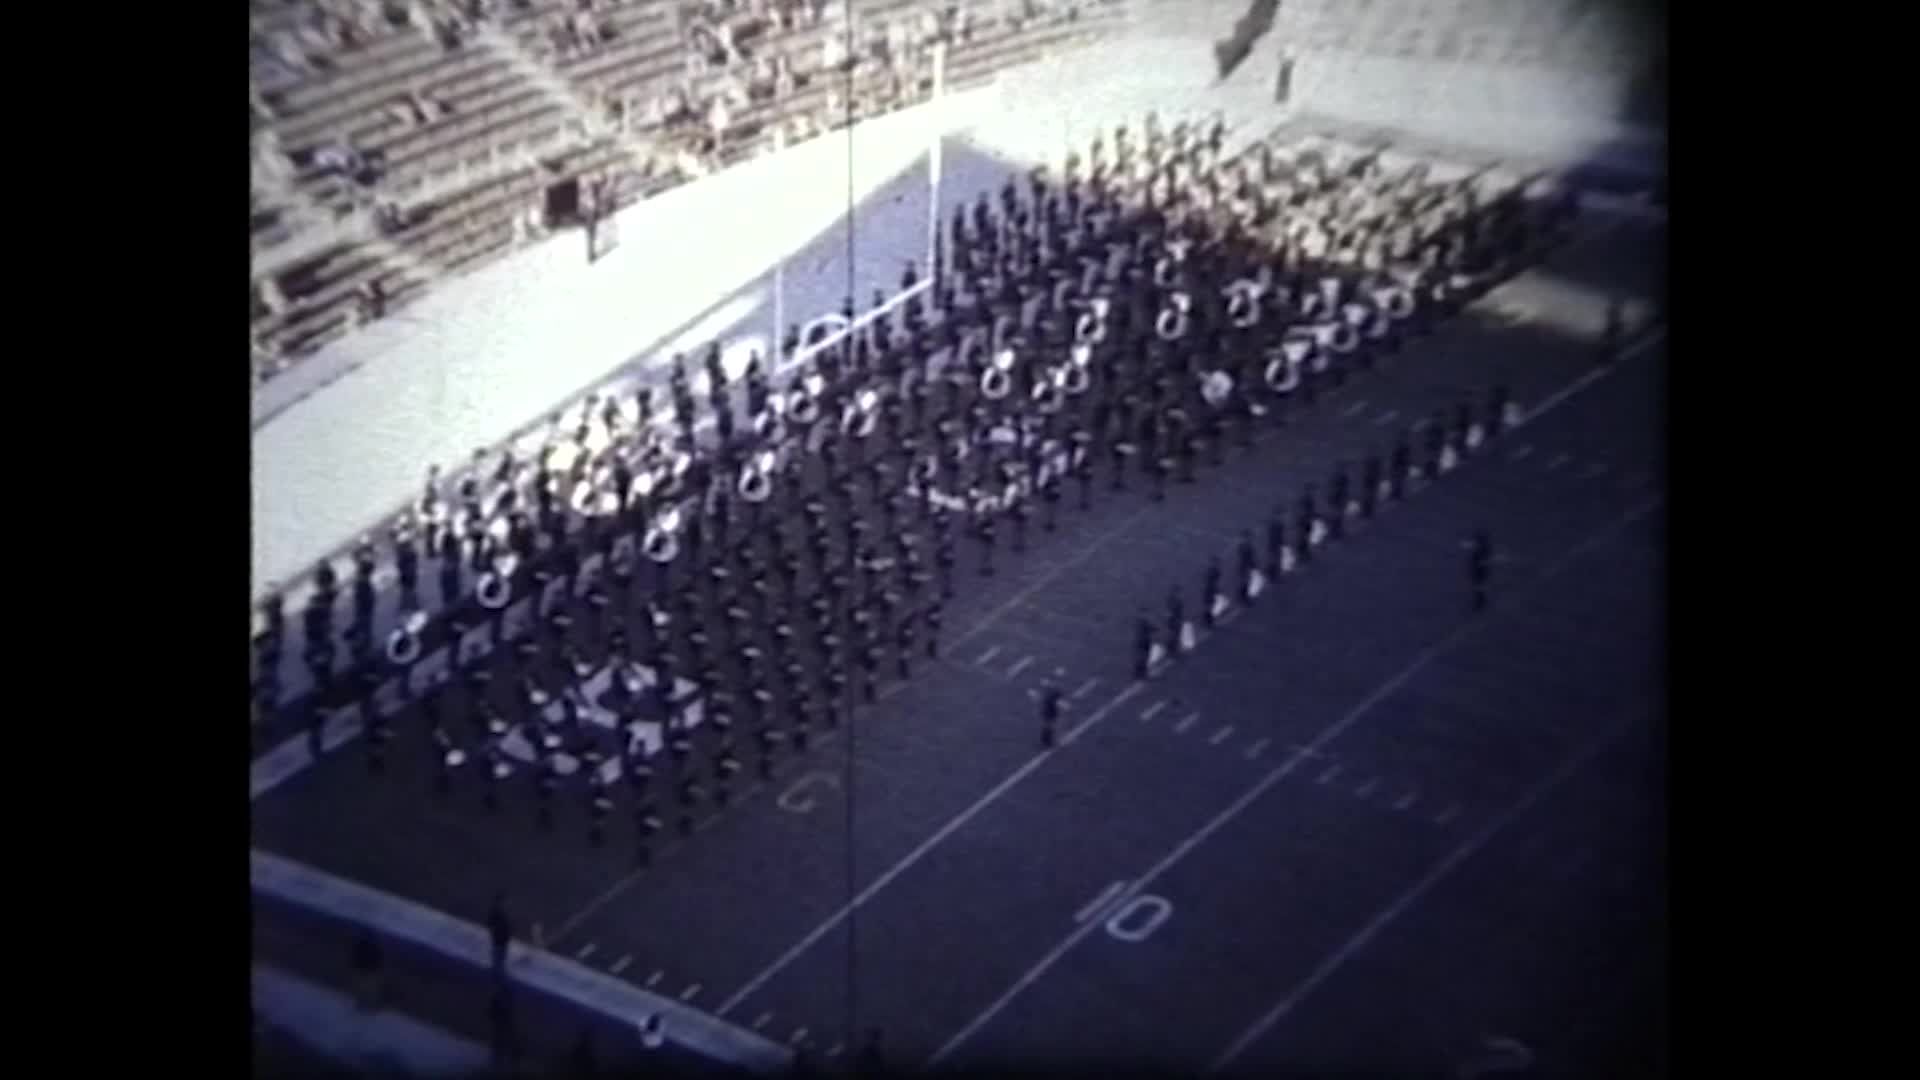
<point x="933" y="159"/>
<point x="775" y="357"/>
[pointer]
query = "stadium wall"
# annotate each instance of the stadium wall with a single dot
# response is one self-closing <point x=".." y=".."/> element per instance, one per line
<point x="491" y="353"/>
<point x="1544" y="77"/>
<point x="1533" y="109"/>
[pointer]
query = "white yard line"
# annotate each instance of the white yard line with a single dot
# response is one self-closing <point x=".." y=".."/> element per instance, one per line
<point x="960" y="820"/>
<point x="1239" y="806"/>
<point x="1406" y="901"/>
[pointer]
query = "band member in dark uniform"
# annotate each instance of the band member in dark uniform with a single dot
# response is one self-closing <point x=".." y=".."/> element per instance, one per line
<point x="1161" y="465"/>
<point x="944" y="558"/>
<point x="903" y="647"/>
<point x="1187" y="447"/>
<point x="1052" y="704"/>
<point x="1210" y="594"/>
<point x="599" y="806"/>
<point x="1479" y="567"/>
<point x="1372" y="476"/>
<point x="1498" y="403"/>
<point x="1436" y="445"/>
<point x="1613" y="335"/>
<point x="836" y="680"/>
<point x="1176" y="619"/>
<point x="1249" y="567"/>
<point x="1307" y="523"/>
<point x="449" y="570"/>
<point x="646" y="825"/>
<point x="870" y="667"/>
<point x="1402" y="466"/>
<point x="1142" y="645"/>
<point x="317" y="616"/>
<point x="1337" y="500"/>
<point x="1083" y="472"/>
<point x="1276" y="542"/>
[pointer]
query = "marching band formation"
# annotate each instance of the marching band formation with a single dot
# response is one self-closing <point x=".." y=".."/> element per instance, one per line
<point x="672" y="587"/>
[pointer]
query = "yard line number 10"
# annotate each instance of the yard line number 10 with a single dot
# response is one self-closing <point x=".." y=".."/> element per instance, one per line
<point x="1130" y="919"/>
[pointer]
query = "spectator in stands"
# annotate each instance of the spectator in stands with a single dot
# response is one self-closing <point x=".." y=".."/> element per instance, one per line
<point x="369" y="168"/>
<point x="336" y="158"/>
<point x="260" y="112"/>
<point x="376" y="298"/>
<point x="800" y="127"/>
<point x="760" y="78"/>
<point x="531" y="224"/>
<point x="286" y="48"/>
<point x="897" y="38"/>
<point x="271" y="298"/>
<point x="586" y="34"/>
<point x="450" y="33"/>
<point x="272" y="170"/>
<point x="389" y="218"/>
<point x="560" y="35"/>
<point x="785" y="80"/>
<point x="833" y="53"/>
<point x="268" y="358"/>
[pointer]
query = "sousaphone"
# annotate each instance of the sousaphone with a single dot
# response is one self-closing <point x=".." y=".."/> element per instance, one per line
<point x="996" y="382"/>
<point x="1171" y="323"/>
<point x="494" y="589"/>
<point x="662" y="539"/>
<point x="756" y="478"/>
<point x="403" y="645"/>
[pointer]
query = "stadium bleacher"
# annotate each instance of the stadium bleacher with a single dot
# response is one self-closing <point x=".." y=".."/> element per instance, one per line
<point x="397" y="146"/>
